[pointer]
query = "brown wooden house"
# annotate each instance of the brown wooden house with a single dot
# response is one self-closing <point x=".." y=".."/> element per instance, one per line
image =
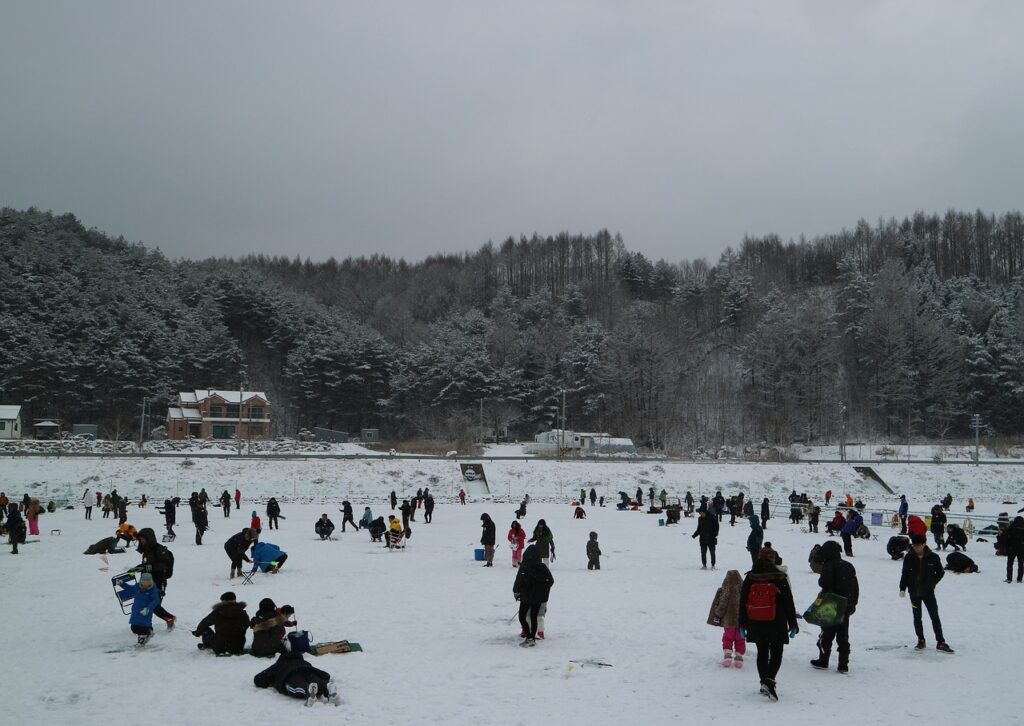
<point x="216" y="414"/>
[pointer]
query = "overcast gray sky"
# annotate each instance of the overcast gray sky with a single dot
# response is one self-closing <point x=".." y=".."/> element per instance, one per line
<point x="412" y="128"/>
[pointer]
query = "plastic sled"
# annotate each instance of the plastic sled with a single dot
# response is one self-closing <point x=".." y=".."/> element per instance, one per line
<point x="828" y="610"/>
<point x="336" y="646"/>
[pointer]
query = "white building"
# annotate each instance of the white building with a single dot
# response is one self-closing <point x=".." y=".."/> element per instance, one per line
<point x="580" y="442"/>
<point x="10" y="422"/>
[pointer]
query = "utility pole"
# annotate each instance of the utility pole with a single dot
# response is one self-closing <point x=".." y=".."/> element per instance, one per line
<point x="142" y="422"/>
<point x="482" y="422"/>
<point x="842" y="432"/>
<point x="976" y="425"/>
<point x="239" y="433"/>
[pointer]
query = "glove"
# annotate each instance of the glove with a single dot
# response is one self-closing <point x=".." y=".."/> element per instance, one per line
<point x="743" y="633"/>
<point x="793" y="632"/>
<point x="903" y="593"/>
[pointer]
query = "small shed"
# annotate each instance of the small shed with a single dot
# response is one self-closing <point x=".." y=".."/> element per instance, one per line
<point x="46" y="429"/>
<point x="10" y="422"/>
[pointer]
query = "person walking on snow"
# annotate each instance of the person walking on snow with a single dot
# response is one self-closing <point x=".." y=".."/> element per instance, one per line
<point x="725" y="614"/>
<point x="755" y="538"/>
<point x="767" y="619"/>
<point x="462" y="497"/>
<point x="766" y="512"/>
<point x="394" y="500"/>
<point x="87" y="502"/>
<point x="903" y="511"/>
<point x="531" y="589"/>
<point x="839" y="578"/>
<point x="225" y="503"/>
<point x="158" y="562"/>
<point x="273" y="512"/>
<point x="428" y="507"/>
<point x="346" y="515"/>
<point x="254" y="523"/>
<point x="854" y="521"/>
<point x="545" y="540"/>
<point x="238" y="498"/>
<point x="487" y="538"/>
<point x="922" y="571"/>
<point x="145" y="600"/>
<point x="1011" y="542"/>
<point x="516" y="542"/>
<point x="15" y="527"/>
<point x="593" y="497"/>
<point x="707" y="531"/>
<point x="593" y="553"/>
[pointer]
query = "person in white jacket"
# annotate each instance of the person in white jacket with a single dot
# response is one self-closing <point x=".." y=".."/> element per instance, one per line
<point x="87" y="502"/>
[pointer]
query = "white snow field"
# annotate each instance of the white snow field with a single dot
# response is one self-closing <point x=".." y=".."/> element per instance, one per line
<point x="440" y="642"/>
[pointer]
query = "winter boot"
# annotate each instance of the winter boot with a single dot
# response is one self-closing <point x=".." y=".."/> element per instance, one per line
<point x="764" y="688"/>
<point x="311" y="692"/>
<point x="737" y="661"/>
<point x="944" y="648"/>
<point x="332" y="694"/>
<point x="821" y="662"/>
<point x="727" y="659"/>
<point x="143" y="639"/>
<point x="540" y="634"/>
<point x="844" y="663"/>
<point x="772" y="695"/>
<point x="920" y="644"/>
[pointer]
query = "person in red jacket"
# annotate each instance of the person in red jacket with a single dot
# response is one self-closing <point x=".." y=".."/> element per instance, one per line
<point x="238" y="499"/>
<point x="516" y="542"/>
<point x="828" y="497"/>
<point x="255" y="523"/>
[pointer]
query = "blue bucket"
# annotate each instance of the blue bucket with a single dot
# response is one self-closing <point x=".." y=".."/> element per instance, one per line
<point x="478" y="555"/>
<point x="661" y="522"/>
<point x="876" y="519"/>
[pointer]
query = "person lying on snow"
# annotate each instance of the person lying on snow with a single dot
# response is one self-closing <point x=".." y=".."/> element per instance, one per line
<point x="106" y="546"/>
<point x="293" y="676"/>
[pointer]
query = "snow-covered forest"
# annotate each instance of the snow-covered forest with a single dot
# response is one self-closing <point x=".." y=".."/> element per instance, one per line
<point x="902" y="329"/>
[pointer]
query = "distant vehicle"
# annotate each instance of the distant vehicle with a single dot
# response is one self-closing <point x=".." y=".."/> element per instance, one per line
<point x="470" y="475"/>
<point x="80" y="437"/>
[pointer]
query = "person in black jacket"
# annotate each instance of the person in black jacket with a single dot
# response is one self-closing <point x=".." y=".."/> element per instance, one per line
<point x="223" y="630"/>
<point x="106" y="546"/>
<point x="293" y="676"/>
<point x="236" y="548"/>
<point x="707" y="531"/>
<point x="922" y="571"/>
<point x="324" y="527"/>
<point x="955" y="536"/>
<point x="394" y="500"/>
<point x="428" y="507"/>
<point x="487" y="539"/>
<point x="346" y="515"/>
<point x="199" y="516"/>
<point x="766" y="512"/>
<point x="770" y="636"/>
<point x="268" y="628"/>
<point x="406" y="510"/>
<point x="531" y="588"/>
<point x="159" y="562"/>
<point x="273" y="512"/>
<point x="938" y="527"/>
<point x="898" y="546"/>
<point x="170" y="516"/>
<point x="1011" y="542"/>
<point x="225" y="503"/>
<point x="839" y="578"/>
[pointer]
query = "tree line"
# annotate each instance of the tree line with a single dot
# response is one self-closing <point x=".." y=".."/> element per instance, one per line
<point x="904" y="328"/>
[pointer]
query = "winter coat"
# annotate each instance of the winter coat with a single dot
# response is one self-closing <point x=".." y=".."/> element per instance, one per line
<point x="105" y="546"/>
<point x="143" y="605"/>
<point x="756" y="536"/>
<point x="838" y="576"/>
<point x="33" y="510"/>
<point x="593" y="548"/>
<point x="267" y="632"/>
<point x="255" y="523"/>
<point x="489" y="536"/>
<point x="958" y="536"/>
<point x="428" y="503"/>
<point x="14" y="518"/>
<point x="237" y="546"/>
<point x="904" y="508"/>
<point x="960" y="563"/>
<point x="287" y="664"/>
<point x="897" y="546"/>
<point x="87" y="499"/>
<point x="725" y="608"/>
<point x="938" y="521"/>
<point x="324" y="527"/>
<point x="156" y="559"/>
<point x="921" y="574"/>
<point x="264" y="553"/>
<point x="545" y="539"/>
<point x="1011" y="539"/>
<point x="852" y="525"/>
<point x="533" y="578"/>
<point x="367" y="519"/>
<point x="766" y="510"/>
<point x="516" y="539"/>
<point x="273" y="508"/>
<point x="707" y="530"/>
<point x="170" y="513"/>
<point x="346" y="508"/>
<point x="229" y="622"/>
<point x="769" y="631"/>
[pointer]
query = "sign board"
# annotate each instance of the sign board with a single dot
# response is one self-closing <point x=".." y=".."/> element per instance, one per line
<point x="473" y="472"/>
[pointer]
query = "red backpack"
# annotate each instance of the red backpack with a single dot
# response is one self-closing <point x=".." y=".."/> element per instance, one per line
<point x="761" y="602"/>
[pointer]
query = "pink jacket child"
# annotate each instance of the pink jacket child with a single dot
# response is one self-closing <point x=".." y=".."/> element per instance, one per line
<point x="516" y="541"/>
<point x="725" y="613"/>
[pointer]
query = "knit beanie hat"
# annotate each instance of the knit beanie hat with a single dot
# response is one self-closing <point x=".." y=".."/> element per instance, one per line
<point x="146" y="577"/>
<point x="267" y="605"/>
<point x="228" y="597"/>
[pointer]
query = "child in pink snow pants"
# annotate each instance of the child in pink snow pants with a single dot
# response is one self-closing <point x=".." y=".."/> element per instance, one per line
<point x="516" y="540"/>
<point x="725" y="613"/>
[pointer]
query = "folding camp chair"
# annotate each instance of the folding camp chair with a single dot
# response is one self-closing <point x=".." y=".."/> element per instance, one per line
<point x="123" y="598"/>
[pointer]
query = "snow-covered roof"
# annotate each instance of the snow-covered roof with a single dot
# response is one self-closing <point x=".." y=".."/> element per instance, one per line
<point x="180" y="414"/>
<point x="47" y="425"/>
<point x="9" y="413"/>
<point x="229" y="396"/>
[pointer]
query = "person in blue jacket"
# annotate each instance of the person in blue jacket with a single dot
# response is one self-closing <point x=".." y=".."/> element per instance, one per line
<point x="904" y="510"/>
<point x="853" y="523"/>
<point x="146" y="600"/>
<point x="267" y="557"/>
